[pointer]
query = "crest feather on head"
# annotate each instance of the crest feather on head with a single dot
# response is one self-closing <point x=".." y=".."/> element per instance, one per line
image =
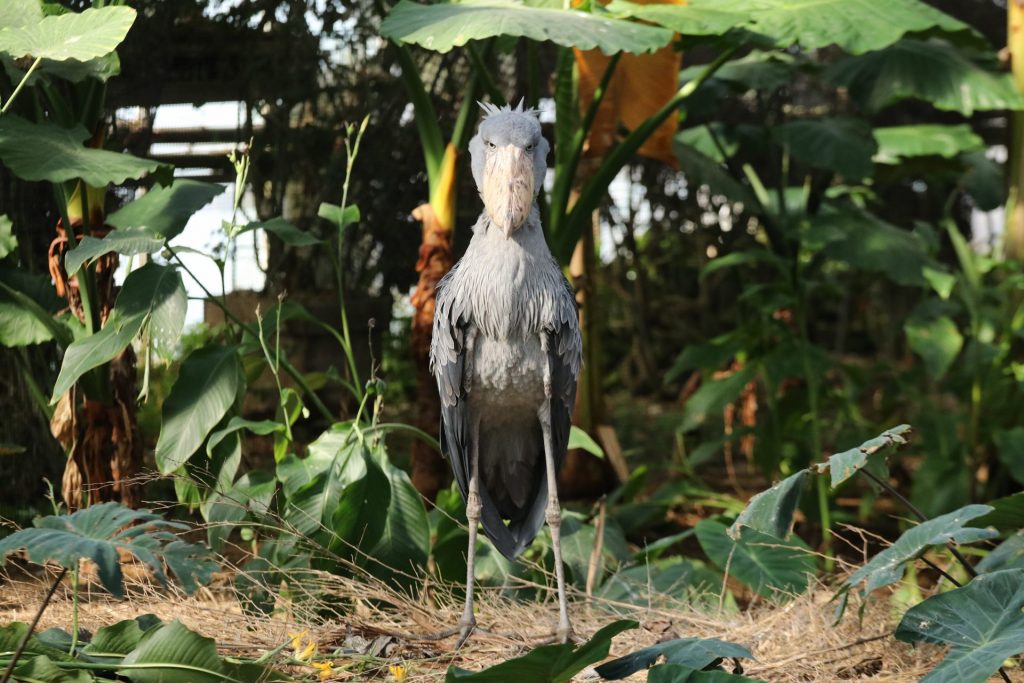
<point x="492" y="109"/>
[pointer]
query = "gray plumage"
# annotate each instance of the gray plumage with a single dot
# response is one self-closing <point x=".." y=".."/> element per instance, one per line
<point x="497" y="309"/>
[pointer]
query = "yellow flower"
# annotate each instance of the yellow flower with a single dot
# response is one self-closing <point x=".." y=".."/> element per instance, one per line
<point x="303" y="652"/>
<point x="397" y="672"/>
<point x="326" y="668"/>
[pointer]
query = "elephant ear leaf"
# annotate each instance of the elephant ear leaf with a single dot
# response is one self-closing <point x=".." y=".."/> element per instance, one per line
<point x="99" y="534"/>
<point x="981" y="623"/>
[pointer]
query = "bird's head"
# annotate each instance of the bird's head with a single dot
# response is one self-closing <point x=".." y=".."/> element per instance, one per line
<point x="509" y="161"/>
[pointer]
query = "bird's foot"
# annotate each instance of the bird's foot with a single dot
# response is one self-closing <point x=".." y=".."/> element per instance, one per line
<point x="564" y="634"/>
<point x="466" y="627"/>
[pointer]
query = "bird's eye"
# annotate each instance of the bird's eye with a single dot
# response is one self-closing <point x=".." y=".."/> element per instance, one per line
<point x="491" y="144"/>
<point x="529" y="148"/>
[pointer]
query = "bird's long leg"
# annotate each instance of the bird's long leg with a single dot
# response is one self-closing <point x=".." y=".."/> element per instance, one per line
<point x="553" y="513"/>
<point x="473" y="508"/>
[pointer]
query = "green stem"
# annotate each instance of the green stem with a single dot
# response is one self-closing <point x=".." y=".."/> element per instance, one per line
<point x="427" y="125"/>
<point x="563" y="184"/>
<point x="21" y="84"/>
<point x="248" y="329"/>
<point x="74" y="610"/>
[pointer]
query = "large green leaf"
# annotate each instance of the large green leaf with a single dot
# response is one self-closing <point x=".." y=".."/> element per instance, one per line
<point x="1007" y="555"/>
<point x="152" y="296"/>
<point x="982" y="624"/>
<point x="174" y="654"/>
<point x="164" y="211"/>
<point x="694" y="18"/>
<point x="936" y="339"/>
<point x="842" y="466"/>
<point x="771" y="511"/>
<point x="932" y="71"/>
<point x="42" y="669"/>
<point x="857" y="26"/>
<point x="28" y="305"/>
<point x="116" y="639"/>
<point x="771" y="566"/>
<point x="547" y="663"/>
<point x="867" y="243"/>
<point x="337" y="493"/>
<point x="45" y="151"/>
<point x="15" y="14"/>
<point x="443" y="26"/>
<point x="1007" y="513"/>
<point x="206" y="387"/>
<point x="11" y="634"/>
<point x="888" y="566"/>
<point x="924" y="139"/>
<point x="696" y="653"/>
<point x="401" y="552"/>
<point x="83" y="36"/>
<point x="283" y="230"/>
<point x="671" y="582"/>
<point x="99" y="532"/>
<point x="843" y="145"/>
<point x="8" y="240"/>
<point x="125" y="242"/>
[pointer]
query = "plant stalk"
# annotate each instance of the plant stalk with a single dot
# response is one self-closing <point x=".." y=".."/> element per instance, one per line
<point x="32" y="627"/>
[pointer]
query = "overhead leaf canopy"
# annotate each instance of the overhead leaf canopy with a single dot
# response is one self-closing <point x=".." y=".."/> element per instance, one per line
<point x="441" y="27"/>
<point x="82" y="36"/>
<point x="929" y="70"/>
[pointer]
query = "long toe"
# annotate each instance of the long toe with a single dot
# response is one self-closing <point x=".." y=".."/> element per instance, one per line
<point x="465" y="629"/>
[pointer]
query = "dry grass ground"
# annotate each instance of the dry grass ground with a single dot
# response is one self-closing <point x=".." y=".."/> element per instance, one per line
<point x="795" y="641"/>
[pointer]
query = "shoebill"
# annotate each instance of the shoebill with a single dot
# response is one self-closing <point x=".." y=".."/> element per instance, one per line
<point x="506" y="353"/>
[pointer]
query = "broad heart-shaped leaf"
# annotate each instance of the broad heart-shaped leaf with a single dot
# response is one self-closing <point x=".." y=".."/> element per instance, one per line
<point x="116" y="639"/>
<point x="547" y="663"/>
<point x="98" y="532"/>
<point x="335" y="494"/>
<point x="936" y="340"/>
<point x="1007" y="513"/>
<point x="42" y="669"/>
<point x="283" y="230"/>
<point x="45" y="151"/>
<point x="981" y="622"/>
<point x="1007" y="555"/>
<point x="855" y="25"/>
<point x="771" y="511"/>
<point x="28" y="306"/>
<point x="124" y="242"/>
<point x="260" y="427"/>
<point x="844" y="465"/>
<point x="675" y="673"/>
<point x="164" y="211"/>
<point x="867" y="243"/>
<point x="771" y="566"/>
<point x="696" y="653"/>
<point x="15" y="14"/>
<point x="82" y="36"/>
<point x="843" y="145"/>
<point x="206" y="387"/>
<point x="401" y="553"/>
<point x="695" y="18"/>
<point x="174" y="654"/>
<point x="925" y="139"/>
<point x="932" y="71"/>
<point x="152" y="295"/>
<point x="887" y="567"/>
<point x="102" y="69"/>
<point x="443" y="26"/>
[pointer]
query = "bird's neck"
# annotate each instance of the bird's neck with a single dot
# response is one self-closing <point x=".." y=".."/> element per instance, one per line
<point x="529" y="236"/>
